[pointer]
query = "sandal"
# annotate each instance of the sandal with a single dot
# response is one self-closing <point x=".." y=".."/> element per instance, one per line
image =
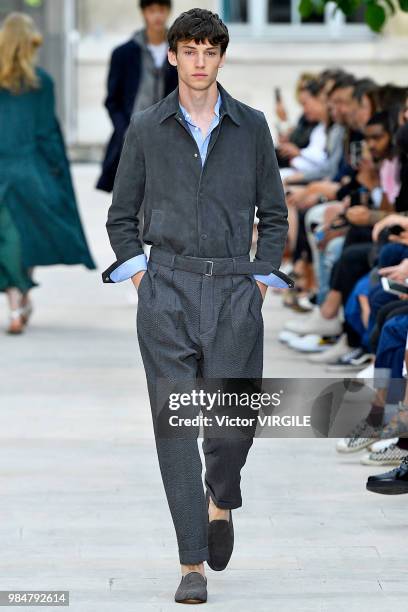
<point x="26" y="312"/>
<point x="16" y="326"/>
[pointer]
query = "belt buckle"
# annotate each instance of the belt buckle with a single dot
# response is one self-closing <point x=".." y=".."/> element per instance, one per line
<point x="212" y="265"/>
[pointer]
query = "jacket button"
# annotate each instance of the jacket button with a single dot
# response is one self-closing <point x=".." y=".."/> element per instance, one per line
<point x="195" y="154"/>
<point x="204" y="236"/>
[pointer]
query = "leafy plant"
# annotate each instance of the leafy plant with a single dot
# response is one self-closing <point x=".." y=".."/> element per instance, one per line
<point x="33" y="3"/>
<point x="376" y="11"/>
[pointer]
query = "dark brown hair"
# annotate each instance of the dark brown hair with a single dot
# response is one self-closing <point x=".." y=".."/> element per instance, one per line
<point x="198" y="25"/>
<point x="145" y="3"/>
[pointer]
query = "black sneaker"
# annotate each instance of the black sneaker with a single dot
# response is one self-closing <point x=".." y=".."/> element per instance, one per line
<point x="394" y="482"/>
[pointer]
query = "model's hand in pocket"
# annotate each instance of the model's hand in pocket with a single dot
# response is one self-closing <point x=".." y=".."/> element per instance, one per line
<point x="262" y="288"/>
<point x="137" y="278"/>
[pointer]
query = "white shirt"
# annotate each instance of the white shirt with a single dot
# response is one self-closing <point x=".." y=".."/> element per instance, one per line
<point x="312" y="156"/>
<point x="159" y="53"/>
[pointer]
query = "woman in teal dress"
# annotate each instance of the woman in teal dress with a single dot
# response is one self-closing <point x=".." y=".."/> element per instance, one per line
<point x="39" y="220"/>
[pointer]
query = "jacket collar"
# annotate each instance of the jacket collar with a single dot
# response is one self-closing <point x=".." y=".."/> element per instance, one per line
<point x="170" y="105"/>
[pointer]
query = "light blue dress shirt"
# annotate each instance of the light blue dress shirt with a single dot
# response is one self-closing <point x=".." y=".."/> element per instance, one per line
<point x="139" y="263"/>
<point x="202" y="142"/>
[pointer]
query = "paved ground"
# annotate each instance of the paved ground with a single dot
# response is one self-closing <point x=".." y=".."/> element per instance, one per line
<point x="81" y="497"/>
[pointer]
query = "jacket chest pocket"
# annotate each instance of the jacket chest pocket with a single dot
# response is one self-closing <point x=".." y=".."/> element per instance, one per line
<point x="156" y="226"/>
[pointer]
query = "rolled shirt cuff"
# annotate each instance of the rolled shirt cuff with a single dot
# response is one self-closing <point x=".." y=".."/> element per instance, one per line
<point x="129" y="268"/>
<point x="272" y="280"/>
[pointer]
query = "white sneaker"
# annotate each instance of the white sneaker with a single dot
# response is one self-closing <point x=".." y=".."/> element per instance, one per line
<point x="333" y="353"/>
<point x="362" y="436"/>
<point x="315" y="324"/>
<point x="391" y="455"/>
<point x="377" y="446"/>
<point x="305" y="303"/>
<point x="292" y="324"/>
<point x="312" y="343"/>
<point x="286" y="336"/>
<point x="354" y="359"/>
<point x="353" y="445"/>
<point x="367" y="373"/>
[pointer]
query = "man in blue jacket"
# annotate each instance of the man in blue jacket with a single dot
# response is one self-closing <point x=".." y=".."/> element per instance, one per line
<point x="139" y="76"/>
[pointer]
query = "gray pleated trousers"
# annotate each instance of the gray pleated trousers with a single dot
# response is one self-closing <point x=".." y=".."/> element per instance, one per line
<point x="190" y="325"/>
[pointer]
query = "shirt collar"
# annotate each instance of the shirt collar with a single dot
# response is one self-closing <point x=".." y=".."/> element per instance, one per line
<point x="187" y="117"/>
<point x="170" y="106"/>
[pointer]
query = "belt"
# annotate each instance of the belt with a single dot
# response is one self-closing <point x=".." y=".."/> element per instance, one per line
<point x="216" y="266"/>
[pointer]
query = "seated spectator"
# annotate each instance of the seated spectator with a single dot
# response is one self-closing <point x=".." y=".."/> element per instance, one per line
<point x="301" y="199"/>
<point x="298" y="241"/>
<point x="317" y="103"/>
<point x="395" y="482"/>
<point x="355" y="261"/>
<point x="340" y="101"/>
<point x="312" y="157"/>
<point x="299" y="135"/>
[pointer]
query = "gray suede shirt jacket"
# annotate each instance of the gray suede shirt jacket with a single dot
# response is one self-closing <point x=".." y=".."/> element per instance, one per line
<point x="189" y="209"/>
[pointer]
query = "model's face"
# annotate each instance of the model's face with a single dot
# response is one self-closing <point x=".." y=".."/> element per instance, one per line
<point x="156" y="16"/>
<point x="378" y="141"/>
<point x="197" y="64"/>
<point x="341" y="100"/>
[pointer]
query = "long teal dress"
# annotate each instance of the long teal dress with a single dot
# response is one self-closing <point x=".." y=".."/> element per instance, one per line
<point x="36" y="191"/>
<point x="12" y="271"/>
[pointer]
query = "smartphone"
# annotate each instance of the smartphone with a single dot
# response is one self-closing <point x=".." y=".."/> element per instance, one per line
<point x="278" y="95"/>
<point x="392" y="287"/>
<point x="356" y="153"/>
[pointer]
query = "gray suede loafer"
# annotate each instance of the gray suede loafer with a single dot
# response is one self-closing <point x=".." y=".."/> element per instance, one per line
<point x="192" y="589"/>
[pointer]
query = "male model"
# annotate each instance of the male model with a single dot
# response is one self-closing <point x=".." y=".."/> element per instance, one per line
<point x="200" y="161"/>
<point x="139" y="76"/>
